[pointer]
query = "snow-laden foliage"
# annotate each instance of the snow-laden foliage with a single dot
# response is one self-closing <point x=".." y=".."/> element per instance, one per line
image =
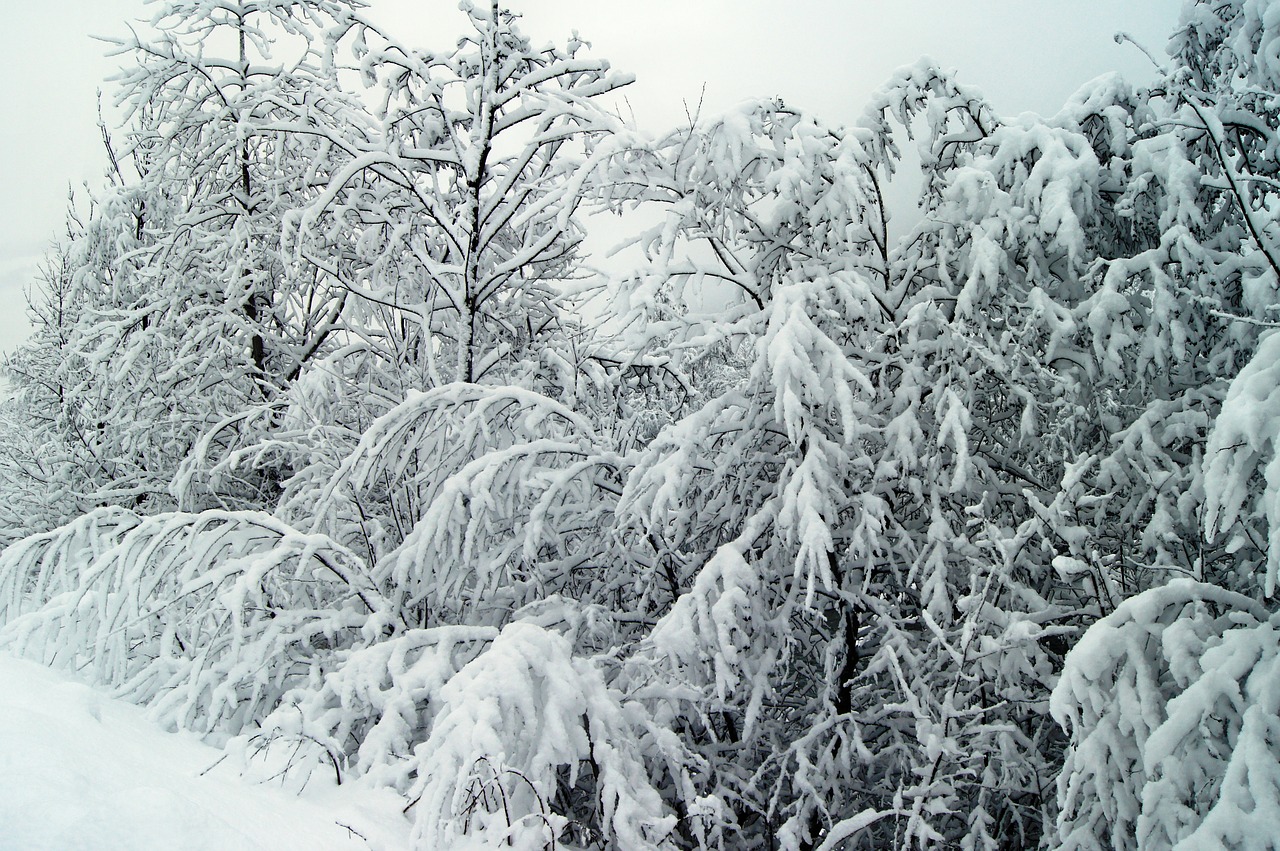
<point x="1242" y="449"/>
<point x="1173" y="471"/>
<point x="851" y="536"/>
<point x="781" y="545"/>
<point x="1172" y="699"/>
<point x="1182" y="284"/>
<point x="459" y="197"/>
<point x="526" y="722"/>
<point x="508" y="510"/>
<point x="207" y="617"/>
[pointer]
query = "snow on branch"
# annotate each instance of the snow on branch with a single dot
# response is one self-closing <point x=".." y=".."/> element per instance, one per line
<point x="1243" y="448"/>
<point x="41" y="567"/>
<point x="510" y="489"/>
<point x="208" y="617"/>
<point x="376" y="704"/>
<point x="1171" y="703"/>
<point x="516" y="726"/>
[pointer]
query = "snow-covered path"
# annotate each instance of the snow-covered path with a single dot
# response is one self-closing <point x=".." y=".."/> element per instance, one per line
<point x="79" y="770"/>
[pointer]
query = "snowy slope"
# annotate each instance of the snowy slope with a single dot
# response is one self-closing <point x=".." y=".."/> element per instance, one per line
<point x="79" y="770"/>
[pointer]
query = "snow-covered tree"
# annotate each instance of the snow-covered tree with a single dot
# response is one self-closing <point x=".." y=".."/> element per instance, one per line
<point x="1174" y="476"/>
<point x="188" y="312"/>
<point x="463" y="198"/>
<point x="47" y="463"/>
<point x="784" y="547"/>
<point x="454" y="224"/>
<point x="1175" y="308"/>
<point x="844" y="524"/>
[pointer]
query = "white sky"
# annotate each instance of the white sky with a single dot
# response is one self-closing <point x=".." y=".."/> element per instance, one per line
<point x="822" y="55"/>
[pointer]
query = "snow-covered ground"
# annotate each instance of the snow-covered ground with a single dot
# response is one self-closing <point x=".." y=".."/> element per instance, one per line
<point x="79" y="770"/>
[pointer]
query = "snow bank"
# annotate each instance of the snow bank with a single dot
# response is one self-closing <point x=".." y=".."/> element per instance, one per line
<point x="79" y="770"/>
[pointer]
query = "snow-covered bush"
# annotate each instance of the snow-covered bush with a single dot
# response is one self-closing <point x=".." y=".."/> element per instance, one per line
<point x="1171" y="702"/>
<point x="210" y="618"/>
<point x="524" y="728"/>
<point x="500" y="497"/>
<point x="377" y="702"/>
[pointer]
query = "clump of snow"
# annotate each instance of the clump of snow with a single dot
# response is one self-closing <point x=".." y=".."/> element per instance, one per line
<point x="1170" y="702"/>
<point x="1242" y="446"/>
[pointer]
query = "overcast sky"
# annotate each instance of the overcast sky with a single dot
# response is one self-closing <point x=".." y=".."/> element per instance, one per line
<point x="820" y="55"/>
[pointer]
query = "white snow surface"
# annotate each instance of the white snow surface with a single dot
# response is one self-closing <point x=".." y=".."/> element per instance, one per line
<point x="80" y="770"/>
